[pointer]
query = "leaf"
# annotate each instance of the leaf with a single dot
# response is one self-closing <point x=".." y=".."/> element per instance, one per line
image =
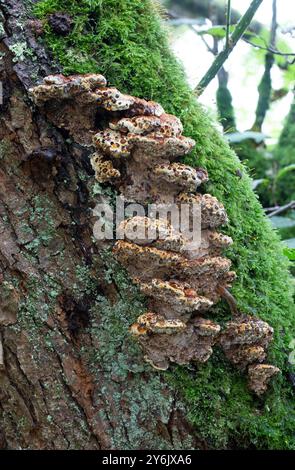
<point x="291" y="244"/>
<point x="282" y="222"/>
<point x="256" y="183"/>
<point x="236" y="137"/>
<point x="255" y="39"/>
<point x="284" y="171"/>
<point x="289" y="250"/>
<point x="217" y="31"/>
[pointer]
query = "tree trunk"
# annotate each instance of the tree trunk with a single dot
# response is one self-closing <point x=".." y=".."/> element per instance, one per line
<point x="71" y="377"/>
<point x="265" y="85"/>
<point x="225" y="107"/>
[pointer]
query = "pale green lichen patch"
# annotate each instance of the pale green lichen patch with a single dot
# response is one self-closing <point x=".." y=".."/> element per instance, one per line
<point x="20" y="51"/>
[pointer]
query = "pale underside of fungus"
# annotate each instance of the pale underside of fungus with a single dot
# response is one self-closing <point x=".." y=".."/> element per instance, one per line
<point x="138" y="149"/>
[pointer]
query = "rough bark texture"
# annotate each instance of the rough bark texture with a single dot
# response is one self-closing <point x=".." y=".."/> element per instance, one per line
<point x="67" y="382"/>
<point x="81" y="376"/>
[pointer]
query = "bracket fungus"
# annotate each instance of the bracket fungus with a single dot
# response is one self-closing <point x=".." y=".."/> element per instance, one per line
<point x="165" y="124"/>
<point x="155" y="323"/>
<point x="151" y="231"/>
<point x="181" y="176"/>
<point x="159" y="146"/>
<point x="139" y="146"/>
<point x="104" y="170"/>
<point x="259" y="377"/>
<point x="70" y="103"/>
<point x="213" y="214"/>
<point x="173" y="299"/>
<point x="246" y="340"/>
<point x="192" y="343"/>
<point x="113" y="100"/>
<point x="59" y="87"/>
<point x="112" y="143"/>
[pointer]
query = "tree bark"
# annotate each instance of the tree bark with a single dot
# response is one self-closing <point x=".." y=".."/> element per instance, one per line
<point x="71" y="376"/>
<point x="265" y="85"/>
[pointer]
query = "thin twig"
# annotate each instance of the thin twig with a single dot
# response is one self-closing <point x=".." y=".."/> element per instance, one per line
<point x="280" y="210"/>
<point x="270" y="49"/>
<point x="271" y="209"/>
<point x="210" y="49"/>
<point x="186" y="22"/>
<point x="233" y="40"/>
<point x="232" y="303"/>
<point x="274" y="25"/>
<point x="228" y="21"/>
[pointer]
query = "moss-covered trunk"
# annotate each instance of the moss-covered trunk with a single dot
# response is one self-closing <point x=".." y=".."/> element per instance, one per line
<point x="72" y="377"/>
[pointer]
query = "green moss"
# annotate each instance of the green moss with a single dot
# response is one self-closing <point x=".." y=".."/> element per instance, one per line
<point x="124" y="40"/>
<point x="229" y="417"/>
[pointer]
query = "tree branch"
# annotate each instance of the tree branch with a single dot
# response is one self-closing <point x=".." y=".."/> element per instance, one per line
<point x="274" y="25"/>
<point x="210" y="49"/>
<point x="228" y="21"/>
<point x="233" y="40"/>
<point x="290" y="205"/>
<point x="186" y="21"/>
<point x="226" y="295"/>
<point x="270" y="49"/>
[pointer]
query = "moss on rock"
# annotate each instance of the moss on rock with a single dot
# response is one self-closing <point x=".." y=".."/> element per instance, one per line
<point x="125" y="41"/>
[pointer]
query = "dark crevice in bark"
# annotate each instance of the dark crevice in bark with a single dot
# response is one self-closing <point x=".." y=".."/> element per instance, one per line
<point x="82" y="411"/>
<point x="23" y="389"/>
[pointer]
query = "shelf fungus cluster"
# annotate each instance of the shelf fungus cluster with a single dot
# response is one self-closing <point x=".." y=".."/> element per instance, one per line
<point x="138" y="148"/>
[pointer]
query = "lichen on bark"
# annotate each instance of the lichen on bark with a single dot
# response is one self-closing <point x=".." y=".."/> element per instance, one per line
<point x="124" y="40"/>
